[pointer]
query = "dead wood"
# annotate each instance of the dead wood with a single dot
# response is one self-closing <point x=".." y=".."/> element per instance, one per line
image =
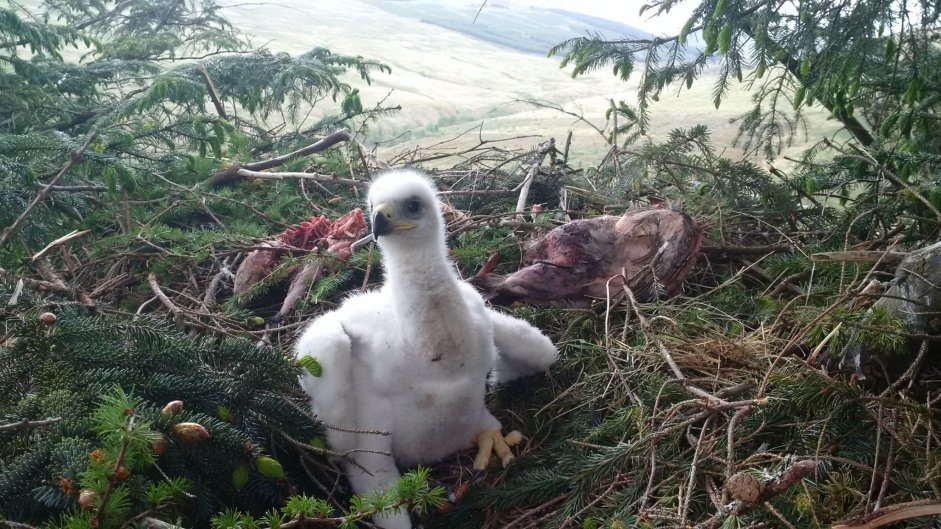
<point x="893" y="514"/>
<point x="230" y="174"/>
<point x="211" y="88"/>
<point x="544" y="148"/>
<point x="861" y="256"/>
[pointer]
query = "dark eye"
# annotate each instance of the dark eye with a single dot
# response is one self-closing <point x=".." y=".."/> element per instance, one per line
<point x="413" y="205"/>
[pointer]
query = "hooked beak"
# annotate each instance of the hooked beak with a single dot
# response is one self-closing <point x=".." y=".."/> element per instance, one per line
<point x="383" y="221"/>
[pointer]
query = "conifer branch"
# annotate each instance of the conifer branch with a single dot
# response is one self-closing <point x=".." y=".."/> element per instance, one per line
<point x="74" y="158"/>
<point x="118" y="464"/>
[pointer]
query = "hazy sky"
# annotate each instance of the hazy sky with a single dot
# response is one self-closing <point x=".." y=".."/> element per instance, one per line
<point x="625" y="11"/>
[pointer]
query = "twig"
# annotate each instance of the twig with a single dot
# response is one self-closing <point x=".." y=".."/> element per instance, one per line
<point x="541" y="152"/>
<point x="592" y="503"/>
<point x="896" y="180"/>
<point x="667" y="356"/>
<point x="692" y="470"/>
<point x="26" y="423"/>
<point x="823" y="343"/>
<point x="887" y="474"/>
<point x="74" y="158"/>
<point x="37" y="284"/>
<point x="167" y="302"/>
<point x="892" y="514"/>
<point x="369" y="258"/>
<point x="748" y="250"/>
<point x="72" y="189"/>
<point x="911" y="371"/>
<point x="875" y="459"/>
<point x="213" y="95"/>
<point x="646" y="326"/>
<point x="861" y="256"/>
<point x="347" y="429"/>
<point x="327" y="179"/>
<point x="213" y="289"/>
<point x="231" y="174"/>
<point x="74" y="234"/>
<point x="730" y="447"/>
<point x="16" y="525"/>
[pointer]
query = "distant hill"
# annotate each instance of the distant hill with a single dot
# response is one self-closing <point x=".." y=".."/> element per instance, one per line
<point x="451" y="75"/>
<point x="522" y="28"/>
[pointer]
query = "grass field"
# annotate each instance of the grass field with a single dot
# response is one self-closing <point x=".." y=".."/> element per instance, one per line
<point x="448" y="81"/>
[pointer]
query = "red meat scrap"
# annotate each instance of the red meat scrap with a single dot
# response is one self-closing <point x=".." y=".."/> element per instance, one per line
<point x="316" y="232"/>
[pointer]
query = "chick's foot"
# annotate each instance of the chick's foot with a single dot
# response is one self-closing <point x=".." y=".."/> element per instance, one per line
<point x="494" y="441"/>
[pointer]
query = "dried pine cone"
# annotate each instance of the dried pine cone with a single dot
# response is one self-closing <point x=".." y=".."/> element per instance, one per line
<point x="744" y="487"/>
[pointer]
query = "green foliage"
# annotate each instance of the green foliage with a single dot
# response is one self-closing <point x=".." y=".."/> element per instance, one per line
<point x="139" y="85"/>
<point x="228" y="385"/>
<point x="411" y="490"/>
<point x="873" y="68"/>
<point x="616" y="437"/>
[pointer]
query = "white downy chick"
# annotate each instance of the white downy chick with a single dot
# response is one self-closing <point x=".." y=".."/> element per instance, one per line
<point x="412" y="358"/>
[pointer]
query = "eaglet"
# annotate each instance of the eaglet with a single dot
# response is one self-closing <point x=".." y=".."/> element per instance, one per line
<point x="412" y="358"/>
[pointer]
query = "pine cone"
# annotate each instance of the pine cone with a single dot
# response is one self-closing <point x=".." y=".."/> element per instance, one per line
<point x="744" y="487"/>
<point x="87" y="498"/>
<point x="160" y="445"/>
<point x="174" y="407"/>
<point x="191" y="432"/>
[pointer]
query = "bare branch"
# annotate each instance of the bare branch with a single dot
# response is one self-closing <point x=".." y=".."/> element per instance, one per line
<point x="232" y="173"/>
<point x="25" y="423"/>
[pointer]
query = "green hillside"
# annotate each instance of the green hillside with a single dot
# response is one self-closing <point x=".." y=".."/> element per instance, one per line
<point x="451" y="81"/>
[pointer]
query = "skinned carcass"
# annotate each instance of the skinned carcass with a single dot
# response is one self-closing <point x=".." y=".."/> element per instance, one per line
<point x="652" y="249"/>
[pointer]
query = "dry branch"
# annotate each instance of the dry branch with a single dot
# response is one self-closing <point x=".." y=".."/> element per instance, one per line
<point x="74" y="234"/>
<point x="544" y="148"/>
<point x="162" y="296"/>
<point x="892" y="514"/>
<point x="25" y="423"/>
<point x="231" y="174"/>
<point x="792" y="475"/>
<point x="861" y="256"/>
<point x="38" y="284"/>
<point x="748" y="250"/>
<point x="211" y="88"/>
<point x="326" y="179"/>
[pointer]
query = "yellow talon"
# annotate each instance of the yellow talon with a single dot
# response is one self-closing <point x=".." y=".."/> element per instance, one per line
<point x="493" y="441"/>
